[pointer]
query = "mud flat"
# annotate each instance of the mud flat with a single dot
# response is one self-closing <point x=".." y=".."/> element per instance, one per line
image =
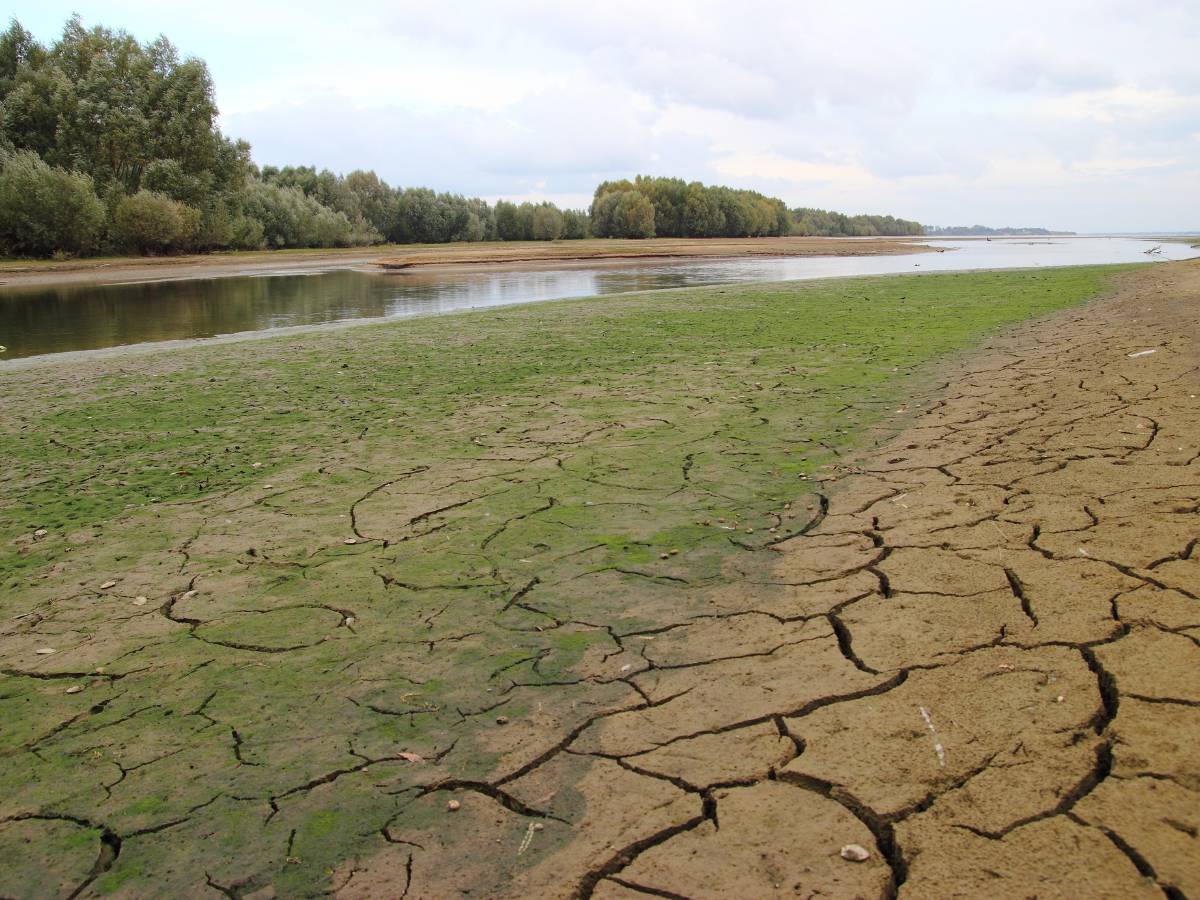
<point x="858" y="562"/>
<point x="501" y="254"/>
<point x="523" y="254"/>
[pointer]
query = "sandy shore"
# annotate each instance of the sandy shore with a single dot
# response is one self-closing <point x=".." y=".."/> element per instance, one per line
<point x="435" y="257"/>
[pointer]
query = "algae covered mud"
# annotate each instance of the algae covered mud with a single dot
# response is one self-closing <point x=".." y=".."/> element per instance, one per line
<point x="40" y="319"/>
<point x="268" y="609"/>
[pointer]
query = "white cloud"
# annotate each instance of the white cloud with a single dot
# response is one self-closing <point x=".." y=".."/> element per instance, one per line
<point x="1114" y="104"/>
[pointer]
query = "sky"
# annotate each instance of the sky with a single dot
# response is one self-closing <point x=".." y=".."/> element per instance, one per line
<point x="1069" y="115"/>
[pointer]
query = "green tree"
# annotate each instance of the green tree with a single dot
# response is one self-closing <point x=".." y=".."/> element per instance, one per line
<point x="45" y="209"/>
<point x="546" y="223"/>
<point x="702" y="215"/>
<point x="633" y="215"/>
<point x="149" y="222"/>
<point x="576" y="224"/>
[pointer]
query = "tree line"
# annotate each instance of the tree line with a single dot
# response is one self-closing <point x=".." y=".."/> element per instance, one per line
<point x="671" y="207"/>
<point x="110" y="145"/>
<point x="985" y="231"/>
<point x="825" y="223"/>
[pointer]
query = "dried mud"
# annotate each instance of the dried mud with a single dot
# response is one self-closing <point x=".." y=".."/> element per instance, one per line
<point x="972" y="650"/>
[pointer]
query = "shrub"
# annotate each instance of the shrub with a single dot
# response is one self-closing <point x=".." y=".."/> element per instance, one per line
<point x="45" y="209"/>
<point x="150" y="222"/>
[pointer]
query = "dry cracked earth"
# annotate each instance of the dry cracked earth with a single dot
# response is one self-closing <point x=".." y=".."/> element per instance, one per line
<point x="977" y="655"/>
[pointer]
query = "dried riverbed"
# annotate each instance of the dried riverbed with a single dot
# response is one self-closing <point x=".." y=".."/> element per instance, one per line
<point x="606" y="576"/>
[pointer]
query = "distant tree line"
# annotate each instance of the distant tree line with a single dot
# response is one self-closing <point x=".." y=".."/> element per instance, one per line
<point x="111" y="145"/>
<point x="824" y="223"/>
<point x="983" y="230"/>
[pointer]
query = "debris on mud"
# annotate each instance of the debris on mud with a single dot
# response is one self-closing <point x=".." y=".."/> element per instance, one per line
<point x="855" y="853"/>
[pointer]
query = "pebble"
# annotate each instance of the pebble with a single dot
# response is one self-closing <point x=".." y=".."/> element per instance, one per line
<point x="41" y="532"/>
<point x="855" y="853"/>
<point x="501" y="720"/>
<point x="75" y="689"/>
<point x="453" y="805"/>
<point x="44" y="651"/>
<point x="350" y="541"/>
<point x="107" y="585"/>
<point x="140" y="601"/>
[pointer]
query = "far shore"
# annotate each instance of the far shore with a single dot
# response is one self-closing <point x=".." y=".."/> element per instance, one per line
<point x="436" y="257"/>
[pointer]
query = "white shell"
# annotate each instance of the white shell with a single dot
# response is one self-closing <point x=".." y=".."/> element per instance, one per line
<point x="855" y="853"/>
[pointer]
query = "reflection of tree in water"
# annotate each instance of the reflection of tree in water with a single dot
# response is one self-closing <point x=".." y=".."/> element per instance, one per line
<point x="79" y="317"/>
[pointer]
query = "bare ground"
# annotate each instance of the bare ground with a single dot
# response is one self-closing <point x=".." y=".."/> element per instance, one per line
<point x="980" y="663"/>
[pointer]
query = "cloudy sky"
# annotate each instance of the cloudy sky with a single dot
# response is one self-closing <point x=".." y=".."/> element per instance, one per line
<point x="1076" y="115"/>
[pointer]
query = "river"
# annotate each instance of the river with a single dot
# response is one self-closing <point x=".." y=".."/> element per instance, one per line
<point x="39" y="321"/>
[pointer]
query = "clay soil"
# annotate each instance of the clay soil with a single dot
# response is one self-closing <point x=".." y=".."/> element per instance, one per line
<point x="676" y="596"/>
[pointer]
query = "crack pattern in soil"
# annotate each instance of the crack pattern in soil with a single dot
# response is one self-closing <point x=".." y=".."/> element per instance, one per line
<point x="971" y="649"/>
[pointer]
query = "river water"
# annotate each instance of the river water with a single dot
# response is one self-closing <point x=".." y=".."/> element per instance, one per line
<point x="37" y="321"/>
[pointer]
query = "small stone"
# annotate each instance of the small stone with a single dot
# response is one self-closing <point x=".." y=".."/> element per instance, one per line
<point x="107" y="585"/>
<point x="749" y="531"/>
<point x="41" y="532"/>
<point x="674" y="552"/>
<point x="140" y="601"/>
<point x="75" y="689"/>
<point x="538" y="826"/>
<point x="453" y="806"/>
<point x="501" y="720"/>
<point x="350" y="541"/>
<point x="1059" y="699"/>
<point x="664" y="556"/>
<point x="44" y="651"/>
<point x="855" y="853"/>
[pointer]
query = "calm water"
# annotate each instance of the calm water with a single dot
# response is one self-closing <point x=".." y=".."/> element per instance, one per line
<point x="84" y="317"/>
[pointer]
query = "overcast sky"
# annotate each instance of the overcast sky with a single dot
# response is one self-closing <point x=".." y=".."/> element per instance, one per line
<point x="1076" y="115"/>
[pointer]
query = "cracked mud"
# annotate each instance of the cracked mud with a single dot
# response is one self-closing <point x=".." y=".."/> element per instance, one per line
<point x="670" y="641"/>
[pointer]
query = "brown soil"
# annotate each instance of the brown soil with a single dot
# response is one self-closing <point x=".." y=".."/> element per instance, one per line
<point x="526" y="254"/>
<point x="980" y="663"/>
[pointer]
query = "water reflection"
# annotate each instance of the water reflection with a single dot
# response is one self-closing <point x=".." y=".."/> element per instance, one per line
<point x="81" y="317"/>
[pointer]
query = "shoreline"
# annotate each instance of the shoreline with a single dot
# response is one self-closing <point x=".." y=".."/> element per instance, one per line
<point x="397" y="259"/>
<point x="146" y="348"/>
